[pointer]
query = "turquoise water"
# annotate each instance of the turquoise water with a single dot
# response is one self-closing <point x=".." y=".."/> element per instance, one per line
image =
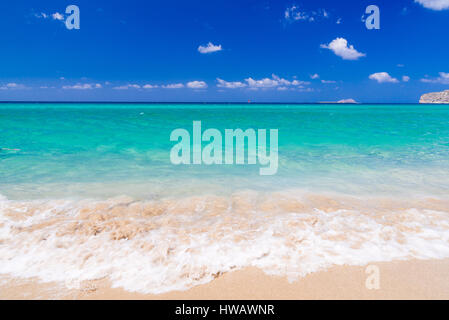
<point x="91" y="193"/>
<point x="104" y="150"/>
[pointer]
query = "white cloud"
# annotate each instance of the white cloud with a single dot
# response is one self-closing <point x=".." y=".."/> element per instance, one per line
<point x="328" y="81"/>
<point x="197" y="85"/>
<point x="340" y="47"/>
<point x="85" y="86"/>
<point x="405" y="78"/>
<point x="293" y="13"/>
<point x="281" y="81"/>
<point x="263" y="83"/>
<point x="150" y="86"/>
<point x="300" y="83"/>
<point x="383" y="77"/>
<point x="209" y="48"/>
<point x="442" y="79"/>
<point x="41" y="15"/>
<point x="314" y="76"/>
<point x="302" y="89"/>
<point x="273" y="82"/>
<point x="338" y="21"/>
<point x="173" y="86"/>
<point x="127" y="86"/>
<point x="437" y="5"/>
<point x="12" y="85"/>
<point x="57" y="16"/>
<point x="230" y="85"/>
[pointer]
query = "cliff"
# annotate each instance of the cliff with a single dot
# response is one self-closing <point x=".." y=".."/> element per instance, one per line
<point x="435" y="97"/>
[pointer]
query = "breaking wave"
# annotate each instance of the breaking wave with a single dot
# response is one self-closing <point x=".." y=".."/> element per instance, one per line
<point x="174" y="244"/>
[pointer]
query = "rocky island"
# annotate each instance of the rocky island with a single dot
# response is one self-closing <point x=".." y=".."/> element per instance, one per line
<point x="435" y="97"/>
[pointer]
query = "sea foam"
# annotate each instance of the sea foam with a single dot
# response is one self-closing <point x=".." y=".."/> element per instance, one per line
<point x="174" y="244"/>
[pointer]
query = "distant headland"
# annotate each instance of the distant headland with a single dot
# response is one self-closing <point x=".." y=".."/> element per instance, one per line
<point x="435" y="97"/>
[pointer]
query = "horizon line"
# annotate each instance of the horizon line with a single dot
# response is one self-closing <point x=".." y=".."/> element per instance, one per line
<point x="214" y="102"/>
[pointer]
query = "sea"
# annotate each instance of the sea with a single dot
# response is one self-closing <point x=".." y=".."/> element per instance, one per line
<point x="88" y="191"/>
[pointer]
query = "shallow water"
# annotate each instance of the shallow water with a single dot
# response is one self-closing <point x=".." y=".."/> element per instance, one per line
<point x="92" y="192"/>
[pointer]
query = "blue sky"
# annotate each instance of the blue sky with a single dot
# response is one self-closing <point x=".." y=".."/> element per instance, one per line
<point x="223" y="50"/>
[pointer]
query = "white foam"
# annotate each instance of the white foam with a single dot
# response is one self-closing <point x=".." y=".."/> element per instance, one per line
<point x="186" y="247"/>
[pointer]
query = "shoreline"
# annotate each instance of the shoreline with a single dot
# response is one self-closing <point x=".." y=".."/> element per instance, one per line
<point x="413" y="279"/>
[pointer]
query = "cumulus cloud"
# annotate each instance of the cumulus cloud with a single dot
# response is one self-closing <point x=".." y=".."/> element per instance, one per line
<point x="300" y="83"/>
<point x="314" y="76"/>
<point x="127" y="86"/>
<point x="273" y="82"/>
<point x="442" y="79"/>
<point x="383" y="77"/>
<point x="85" y="86"/>
<point x="262" y="83"/>
<point x="230" y="85"/>
<point x="282" y="81"/>
<point x="405" y="78"/>
<point x="197" y="85"/>
<point x="57" y="16"/>
<point x="209" y="48"/>
<point x="12" y="86"/>
<point x="437" y="5"/>
<point x="150" y="86"/>
<point x="340" y="47"/>
<point x="173" y="86"/>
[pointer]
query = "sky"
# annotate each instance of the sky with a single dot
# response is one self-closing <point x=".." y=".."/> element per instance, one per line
<point x="223" y="51"/>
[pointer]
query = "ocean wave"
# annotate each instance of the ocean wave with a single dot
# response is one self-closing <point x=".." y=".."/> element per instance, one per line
<point x="174" y="244"/>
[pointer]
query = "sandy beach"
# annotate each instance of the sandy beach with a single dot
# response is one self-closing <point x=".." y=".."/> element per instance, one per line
<point x="105" y="214"/>
<point x="416" y="279"/>
<point x="258" y="150"/>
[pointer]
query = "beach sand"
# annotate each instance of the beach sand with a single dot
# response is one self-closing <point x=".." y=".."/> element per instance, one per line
<point x="416" y="279"/>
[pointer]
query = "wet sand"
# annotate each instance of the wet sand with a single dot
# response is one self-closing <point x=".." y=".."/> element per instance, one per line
<point x="416" y="279"/>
